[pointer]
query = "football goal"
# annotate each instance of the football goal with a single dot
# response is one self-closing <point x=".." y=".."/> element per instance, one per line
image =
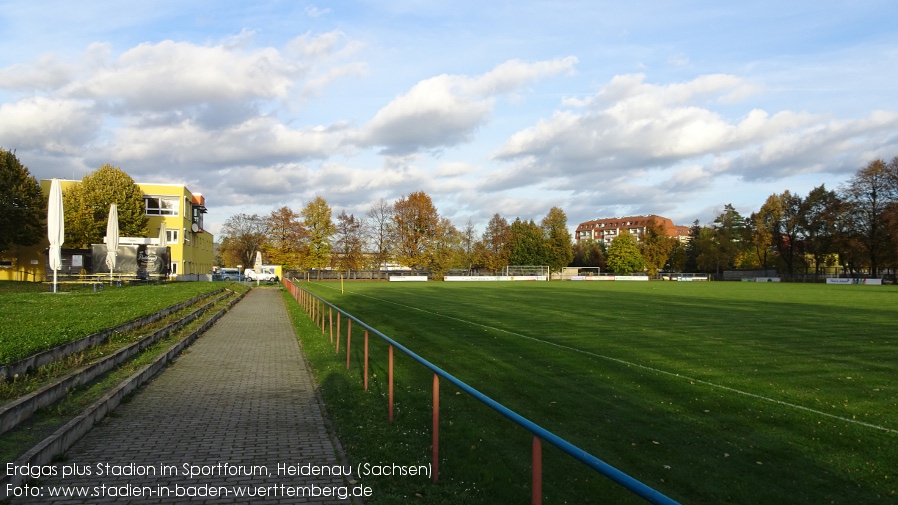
<point x="540" y="272"/>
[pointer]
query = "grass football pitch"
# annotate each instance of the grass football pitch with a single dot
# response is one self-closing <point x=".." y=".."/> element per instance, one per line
<point x="707" y="392"/>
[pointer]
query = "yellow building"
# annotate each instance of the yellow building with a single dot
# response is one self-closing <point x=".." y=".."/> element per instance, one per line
<point x="182" y="212"/>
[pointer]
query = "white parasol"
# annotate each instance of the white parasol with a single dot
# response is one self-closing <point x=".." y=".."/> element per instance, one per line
<point x="163" y="239"/>
<point x="258" y="266"/>
<point x="111" y="237"/>
<point x="55" y="228"/>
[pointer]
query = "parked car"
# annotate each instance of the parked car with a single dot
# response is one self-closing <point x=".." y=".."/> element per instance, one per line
<point x="226" y="274"/>
<point x="263" y="276"/>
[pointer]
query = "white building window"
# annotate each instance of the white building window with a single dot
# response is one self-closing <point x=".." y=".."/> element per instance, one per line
<point x="161" y="205"/>
<point x="171" y="236"/>
<point x="174" y="268"/>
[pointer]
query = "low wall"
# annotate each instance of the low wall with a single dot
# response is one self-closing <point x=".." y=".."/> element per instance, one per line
<point x="610" y="278"/>
<point x="493" y="278"/>
<point x="869" y="282"/>
<point x="408" y="278"/>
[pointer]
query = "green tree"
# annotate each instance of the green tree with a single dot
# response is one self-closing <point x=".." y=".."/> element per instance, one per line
<point x="624" y="256"/>
<point x="86" y="207"/>
<point x="820" y="215"/>
<point x="730" y="238"/>
<point x="415" y="222"/>
<point x="23" y="207"/>
<point x="559" y="253"/>
<point x="693" y="248"/>
<point x="676" y="260"/>
<point x="526" y="245"/>
<point x="317" y="220"/>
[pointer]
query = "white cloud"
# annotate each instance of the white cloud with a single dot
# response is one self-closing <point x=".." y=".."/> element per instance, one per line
<point x="630" y="125"/>
<point x="447" y="110"/>
<point x="455" y="169"/>
<point x="177" y="74"/>
<point x="316" y="12"/>
<point x="259" y="141"/>
<point x="55" y="125"/>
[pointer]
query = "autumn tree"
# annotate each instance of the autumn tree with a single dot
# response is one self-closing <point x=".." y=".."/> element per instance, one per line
<point x="468" y="246"/>
<point x="287" y="237"/>
<point x="380" y="218"/>
<point x="241" y="236"/>
<point x="557" y="240"/>
<point x="86" y="207"/>
<point x="494" y="243"/>
<point x="414" y="227"/>
<point x="317" y="220"/>
<point x="655" y="247"/>
<point x="447" y="248"/>
<point x="868" y="194"/>
<point x="588" y="253"/>
<point x="624" y="256"/>
<point x="23" y="207"/>
<point x="349" y="242"/>
<point x="761" y="232"/>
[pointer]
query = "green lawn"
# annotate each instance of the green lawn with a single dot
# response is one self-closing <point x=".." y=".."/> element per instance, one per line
<point x="31" y="322"/>
<point x="708" y="392"/>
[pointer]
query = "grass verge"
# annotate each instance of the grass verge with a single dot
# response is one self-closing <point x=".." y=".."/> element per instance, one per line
<point x="45" y="421"/>
<point x="34" y="322"/>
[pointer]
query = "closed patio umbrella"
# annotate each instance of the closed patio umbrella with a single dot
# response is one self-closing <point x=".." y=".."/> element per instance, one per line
<point x="258" y="266"/>
<point x="163" y="239"/>
<point x="111" y="237"/>
<point x="55" y="228"/>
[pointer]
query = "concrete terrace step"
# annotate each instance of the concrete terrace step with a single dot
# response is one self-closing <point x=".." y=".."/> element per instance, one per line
<point x="237" y="407"/>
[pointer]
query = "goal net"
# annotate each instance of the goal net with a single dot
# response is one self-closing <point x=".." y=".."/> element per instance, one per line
<point x="539" y="272"/>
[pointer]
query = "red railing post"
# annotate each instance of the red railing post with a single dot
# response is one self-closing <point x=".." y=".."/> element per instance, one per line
<point x="337" y="351"/>
<point x="366" y="359"/>
<point x="390" y="380"/>
<point x="537" y="492"/>
<point x="348" y="340"/>
<point x="435" y="476"/>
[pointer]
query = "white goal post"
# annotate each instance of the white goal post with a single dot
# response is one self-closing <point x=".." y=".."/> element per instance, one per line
<point x="530" y="272"/>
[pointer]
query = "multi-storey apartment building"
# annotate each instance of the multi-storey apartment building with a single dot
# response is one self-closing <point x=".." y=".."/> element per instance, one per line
<point x="605" y="230"/>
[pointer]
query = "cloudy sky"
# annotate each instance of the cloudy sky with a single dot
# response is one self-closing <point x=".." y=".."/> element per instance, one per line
<point x="600" y="108"/>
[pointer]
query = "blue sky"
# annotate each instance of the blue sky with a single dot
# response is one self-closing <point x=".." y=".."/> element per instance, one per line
<point x="600" y="108"/>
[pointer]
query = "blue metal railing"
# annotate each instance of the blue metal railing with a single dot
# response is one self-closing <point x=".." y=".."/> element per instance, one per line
<point x="642" y="490"/>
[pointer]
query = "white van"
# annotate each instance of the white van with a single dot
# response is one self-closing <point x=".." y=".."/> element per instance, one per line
<point x="266" y="275"/>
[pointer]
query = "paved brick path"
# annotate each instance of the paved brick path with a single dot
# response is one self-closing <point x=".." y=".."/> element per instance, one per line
<point x="240" y="400"/>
